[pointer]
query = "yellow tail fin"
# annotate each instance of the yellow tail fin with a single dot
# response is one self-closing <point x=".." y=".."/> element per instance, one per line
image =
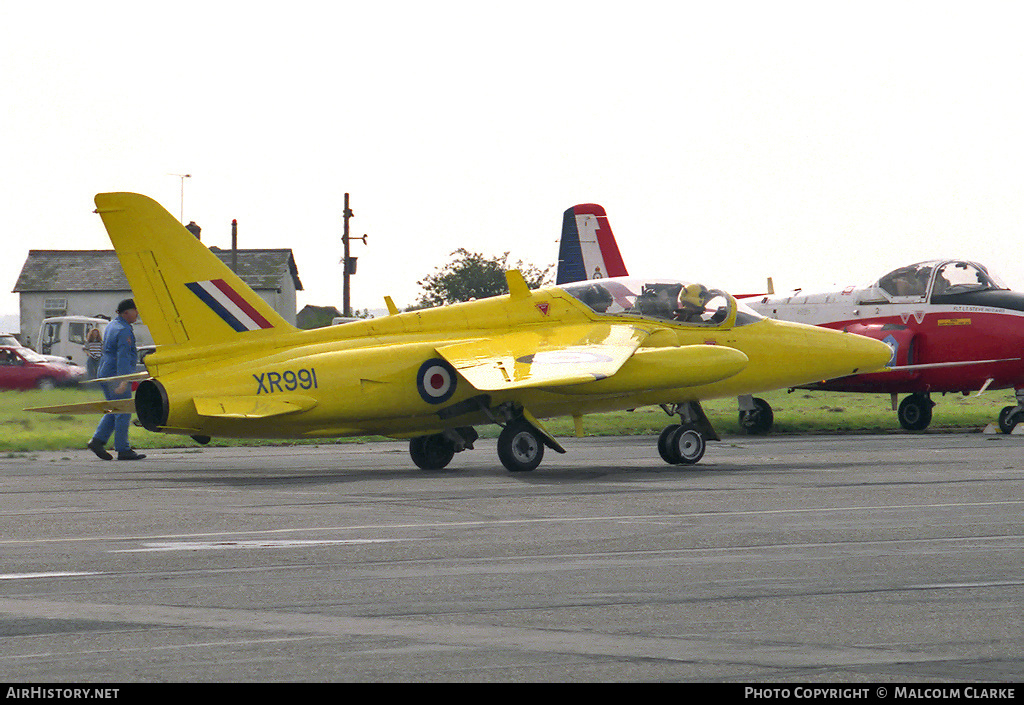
<point x="183" y="292"/>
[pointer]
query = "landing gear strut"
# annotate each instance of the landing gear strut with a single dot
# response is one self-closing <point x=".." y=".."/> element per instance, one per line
<point x="684" y="443"/>
<point x="520" y="445"/>
<point x="522" y="440"/>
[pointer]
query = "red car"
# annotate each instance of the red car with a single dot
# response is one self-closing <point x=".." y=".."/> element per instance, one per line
<point x="22" y="368"/>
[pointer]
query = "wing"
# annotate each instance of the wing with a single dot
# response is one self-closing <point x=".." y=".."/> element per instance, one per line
<point x="103" y="406"/>
<point x="132" y="377"/>
<point x="564" y="355"/>
<point x="237" y="407"/>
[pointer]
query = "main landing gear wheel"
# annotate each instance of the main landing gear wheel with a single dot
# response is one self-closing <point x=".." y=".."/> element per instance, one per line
<point x="431" y="452"/>
<point x="520" y="447"/>
<point x="758" y="420"/>
<point x="681" y="445"/>
<point x="915" y="412"/>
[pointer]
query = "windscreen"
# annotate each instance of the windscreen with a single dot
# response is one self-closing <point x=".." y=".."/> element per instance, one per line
<point x="963" y="277"/>
<point x="664" y="300"/>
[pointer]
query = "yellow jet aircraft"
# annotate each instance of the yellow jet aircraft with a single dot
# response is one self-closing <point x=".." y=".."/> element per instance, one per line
<point x="226" y="364"/>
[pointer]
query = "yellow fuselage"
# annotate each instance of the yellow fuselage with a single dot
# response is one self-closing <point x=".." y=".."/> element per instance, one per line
<point x="361" y="378"/>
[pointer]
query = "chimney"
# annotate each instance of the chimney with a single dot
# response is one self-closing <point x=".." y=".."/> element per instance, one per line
<point x="194" y="229"/>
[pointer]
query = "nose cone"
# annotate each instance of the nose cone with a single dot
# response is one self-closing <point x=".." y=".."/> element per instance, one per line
<point x="839" y="354"/>
<point x="795" y="354"/>
<point x="876" y="354"/>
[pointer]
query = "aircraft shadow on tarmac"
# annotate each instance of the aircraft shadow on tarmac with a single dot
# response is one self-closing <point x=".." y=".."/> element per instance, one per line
<point x="202" y="472"/>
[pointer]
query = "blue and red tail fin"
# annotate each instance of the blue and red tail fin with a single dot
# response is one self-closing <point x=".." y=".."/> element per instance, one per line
<point x="587" y="249"/>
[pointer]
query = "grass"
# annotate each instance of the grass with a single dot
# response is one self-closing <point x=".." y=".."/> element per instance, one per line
<point x="799" y="412"/>
<point x="805" y="412"/>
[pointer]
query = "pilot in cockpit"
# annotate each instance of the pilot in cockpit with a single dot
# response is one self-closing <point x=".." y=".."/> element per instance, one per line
<point x="690" y="304"/>
<point x="909" y="281"/>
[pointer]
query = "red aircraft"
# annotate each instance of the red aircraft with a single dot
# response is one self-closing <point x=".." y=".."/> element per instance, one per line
<point x="952" y="326"/>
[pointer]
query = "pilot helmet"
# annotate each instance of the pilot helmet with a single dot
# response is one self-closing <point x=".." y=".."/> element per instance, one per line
<point x="693" y="296"/>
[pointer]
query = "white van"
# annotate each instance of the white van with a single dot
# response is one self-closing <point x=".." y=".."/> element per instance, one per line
<point x="64" y="336"/>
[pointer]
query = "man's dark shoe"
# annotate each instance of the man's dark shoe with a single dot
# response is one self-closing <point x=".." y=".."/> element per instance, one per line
<point x="97" y="448"/>
<point x="129" y="454"/>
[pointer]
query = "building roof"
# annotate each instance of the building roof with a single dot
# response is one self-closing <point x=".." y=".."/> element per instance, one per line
<point x="316" y="316"/>
<point x="100" y="270"/>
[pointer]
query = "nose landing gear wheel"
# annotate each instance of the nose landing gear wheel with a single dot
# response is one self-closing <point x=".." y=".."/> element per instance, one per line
<point x="915" y="412"/>
<point x="1008" y="419"/>
<point x="520" y="447"/>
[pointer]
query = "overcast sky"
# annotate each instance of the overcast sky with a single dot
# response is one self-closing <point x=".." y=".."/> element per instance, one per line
<point x="820" y="143"/>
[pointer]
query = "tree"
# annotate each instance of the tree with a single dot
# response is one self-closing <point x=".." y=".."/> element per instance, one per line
<point x="471" y="275"/>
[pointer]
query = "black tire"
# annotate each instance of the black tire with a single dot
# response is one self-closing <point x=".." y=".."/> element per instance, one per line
<point x="46" y="384"/>
<point x="664" y="450"/>
<point x="759" y="420"/>
<point x="915" y="412"/>
<point x="520" y="447"/>
<point x="1007" y="419"/>
<point x="431" y="452"/>
<point x="688" y="444"/>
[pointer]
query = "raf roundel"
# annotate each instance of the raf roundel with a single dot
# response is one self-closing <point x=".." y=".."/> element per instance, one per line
<point x="436" y="381"/>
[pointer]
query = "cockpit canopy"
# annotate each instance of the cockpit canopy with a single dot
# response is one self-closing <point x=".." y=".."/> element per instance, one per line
<point x="663" y="299"/>
<point x="925" y="280"/>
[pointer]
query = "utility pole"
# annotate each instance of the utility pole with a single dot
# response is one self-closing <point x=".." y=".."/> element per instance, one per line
<point x="348" y="262"/>
<point x="234" y="245"/>
<point x="181" y="216"/>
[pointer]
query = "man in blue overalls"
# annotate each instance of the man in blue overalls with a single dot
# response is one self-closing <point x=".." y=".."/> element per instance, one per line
<point x="119" y="358"/>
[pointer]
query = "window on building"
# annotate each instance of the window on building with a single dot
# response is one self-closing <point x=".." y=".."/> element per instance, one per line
<point x="55" y="307"/>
